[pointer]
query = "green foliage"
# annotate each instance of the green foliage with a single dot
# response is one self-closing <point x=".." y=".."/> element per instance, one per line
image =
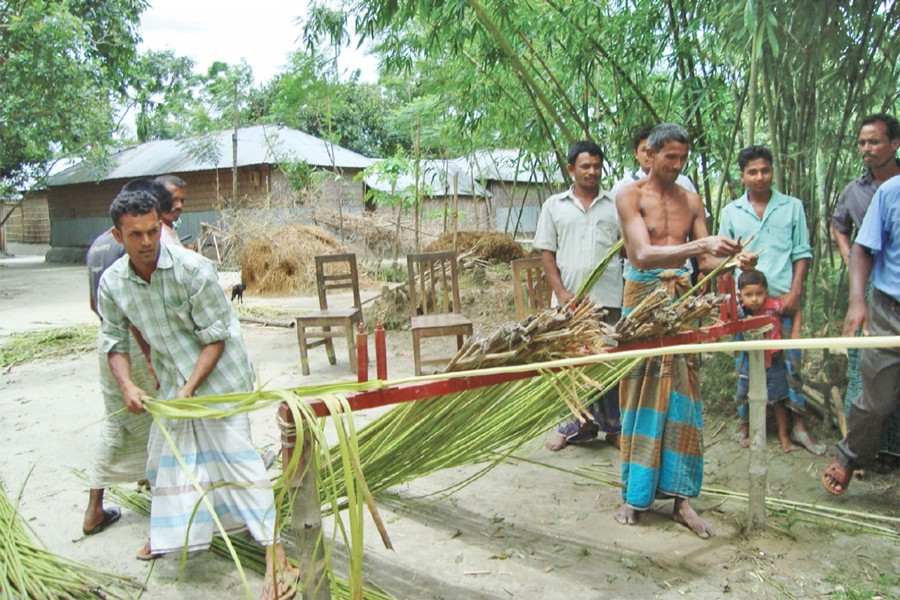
<point x="391" y="170"/>
<point x="310" y="97"/>
<point x="163" y="87"/>
<point x="79" y="50"/>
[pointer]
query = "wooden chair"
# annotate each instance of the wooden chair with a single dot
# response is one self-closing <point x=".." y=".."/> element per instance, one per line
<point x="434" y="292"/>
<point x="323" y="320"/>
<point x="530" y="288"/>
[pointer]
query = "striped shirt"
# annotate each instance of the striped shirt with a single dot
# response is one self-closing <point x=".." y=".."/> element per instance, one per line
<point x="181" y="310"/>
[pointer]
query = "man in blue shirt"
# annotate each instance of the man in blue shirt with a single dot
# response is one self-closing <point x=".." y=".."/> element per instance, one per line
<point x="777" y="224"/>
<point x="876" y="252"/>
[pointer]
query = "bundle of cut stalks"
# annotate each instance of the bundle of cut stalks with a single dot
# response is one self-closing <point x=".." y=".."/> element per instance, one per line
<point x="29" y="571"/>
<point x="657" y="316"/>
<point x="559" y="332"/>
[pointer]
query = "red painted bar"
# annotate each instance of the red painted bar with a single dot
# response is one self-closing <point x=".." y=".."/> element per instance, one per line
<point x="380" y="352"/>
<point x="432" y="389"/>
<point x="362" y="354"/>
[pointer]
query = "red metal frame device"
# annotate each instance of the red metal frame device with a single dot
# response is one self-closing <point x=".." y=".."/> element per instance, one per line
<point x="430" y="389"/>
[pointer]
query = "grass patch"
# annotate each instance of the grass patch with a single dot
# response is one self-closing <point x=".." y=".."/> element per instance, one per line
<point x="869" y="587"/>
<point x="25" y="347"/>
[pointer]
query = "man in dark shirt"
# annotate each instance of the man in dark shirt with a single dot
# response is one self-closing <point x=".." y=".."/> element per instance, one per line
<point x="878" y="141"/>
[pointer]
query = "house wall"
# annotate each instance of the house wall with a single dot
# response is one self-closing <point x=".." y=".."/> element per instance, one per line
<point x="473" y="214"/>
<point x="509" y="198"/>
<point x="78" y="213"/>
<point x="30" y="221"/>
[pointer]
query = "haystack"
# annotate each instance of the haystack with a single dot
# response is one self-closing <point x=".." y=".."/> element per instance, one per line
<point x="283" y="262"/>
<point x="486" y="245"/>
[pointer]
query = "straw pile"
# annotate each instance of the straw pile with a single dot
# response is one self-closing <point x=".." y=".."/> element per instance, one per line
<point x="485" y="245"/>
<point x="282" y="262"/>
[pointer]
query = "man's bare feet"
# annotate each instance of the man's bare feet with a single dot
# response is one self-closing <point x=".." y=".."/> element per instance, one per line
<point x="146" y="553"/>
<point x="803" y="438"/>
<point x="742" y="435"/>
<point x="281" y="578"/>
<point x="557" y="442"/>
<point x="685" y="514"/>
<point x="614" y="439"/>
<point x="787" y="445"/>
<point x="626" y="515"/>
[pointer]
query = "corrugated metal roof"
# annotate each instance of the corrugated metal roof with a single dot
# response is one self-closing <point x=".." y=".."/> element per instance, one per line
<point x="258" y="145"/>
<point x="511" y="165"/>
<point x="437" y="176"/>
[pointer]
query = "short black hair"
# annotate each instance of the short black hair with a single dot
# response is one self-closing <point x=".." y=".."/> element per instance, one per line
<point x="588" y="146"/>
<point x="160" y="192"/>
<point x="173" y="180"/>
<point x="640" y="134"/>
<point x="752" y="153"/>
<point x="753" y="278"/>
<point x="890" y="124"/>
<point x="667" y="132"/>
<point x="135" y="203"/>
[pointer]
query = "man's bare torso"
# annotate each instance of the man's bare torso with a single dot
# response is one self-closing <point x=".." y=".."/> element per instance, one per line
<point x="669" y="213"/>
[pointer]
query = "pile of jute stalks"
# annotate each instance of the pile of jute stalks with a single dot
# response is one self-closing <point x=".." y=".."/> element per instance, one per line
<point x="27" y="570"/>
<point x="567" y="332"/>
<point x="560" y="332"/>
<point x="657" y="316"/>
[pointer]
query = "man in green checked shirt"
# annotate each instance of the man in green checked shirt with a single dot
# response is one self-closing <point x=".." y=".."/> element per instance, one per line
<point x="172" y="297"/>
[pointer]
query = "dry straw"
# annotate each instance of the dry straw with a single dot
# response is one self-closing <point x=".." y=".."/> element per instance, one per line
<point x="281" y="262"/>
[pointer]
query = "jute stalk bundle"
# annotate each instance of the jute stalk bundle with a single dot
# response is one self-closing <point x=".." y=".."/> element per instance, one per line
<point x="29" y="571"/>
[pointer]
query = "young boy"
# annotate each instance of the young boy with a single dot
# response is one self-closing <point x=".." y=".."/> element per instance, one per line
<point x="755" y="300"/>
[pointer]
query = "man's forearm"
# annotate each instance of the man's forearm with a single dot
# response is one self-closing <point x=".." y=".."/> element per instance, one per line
<point x="206" y="362"/>
<point x="798" y="278"/>
<point x="552" y="274"/>
<point x="860" y="270"/>
<point x="120" y="367"/>
<point x="660" y="257"/>
<point x="843" y="243"/>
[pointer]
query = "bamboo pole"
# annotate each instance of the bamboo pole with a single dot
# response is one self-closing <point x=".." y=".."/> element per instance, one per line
<point x="757" y="397"/>
<point x="306" y="511"/>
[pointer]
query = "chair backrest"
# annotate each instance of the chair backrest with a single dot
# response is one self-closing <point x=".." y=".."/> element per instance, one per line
<point x="341" y="275"/>
<point x="433" y="283"/>
<point x="530" y="288"/>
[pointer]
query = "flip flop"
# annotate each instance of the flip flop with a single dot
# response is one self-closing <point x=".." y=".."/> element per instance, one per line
<point x="110" y="516"/>
<point x="841" y="476"/>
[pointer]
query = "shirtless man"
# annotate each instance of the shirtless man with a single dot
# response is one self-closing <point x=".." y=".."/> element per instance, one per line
<point x="663" y="226"/>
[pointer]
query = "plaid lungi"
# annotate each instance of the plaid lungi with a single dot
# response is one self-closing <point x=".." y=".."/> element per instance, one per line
<point x="662" y="444"/>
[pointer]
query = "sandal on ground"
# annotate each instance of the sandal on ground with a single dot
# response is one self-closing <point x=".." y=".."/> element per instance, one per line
<point x="836" y="478"/>
<point x="110" y="516"/>
<point x="802" y="438"/>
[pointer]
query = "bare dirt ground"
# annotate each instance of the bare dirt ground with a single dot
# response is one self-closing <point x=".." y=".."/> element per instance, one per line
<point x="523" y="531"/>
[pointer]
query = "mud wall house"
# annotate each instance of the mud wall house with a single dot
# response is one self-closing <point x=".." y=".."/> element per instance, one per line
<point x="445" y="189"/>
<point x="518" y="183"/>
<point x="79" y="197"/>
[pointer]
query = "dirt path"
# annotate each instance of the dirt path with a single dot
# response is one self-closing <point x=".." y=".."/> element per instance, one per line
<point x="523" y="531"/>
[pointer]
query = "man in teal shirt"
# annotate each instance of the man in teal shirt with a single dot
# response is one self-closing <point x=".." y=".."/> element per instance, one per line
<point x="777" y="224"/>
